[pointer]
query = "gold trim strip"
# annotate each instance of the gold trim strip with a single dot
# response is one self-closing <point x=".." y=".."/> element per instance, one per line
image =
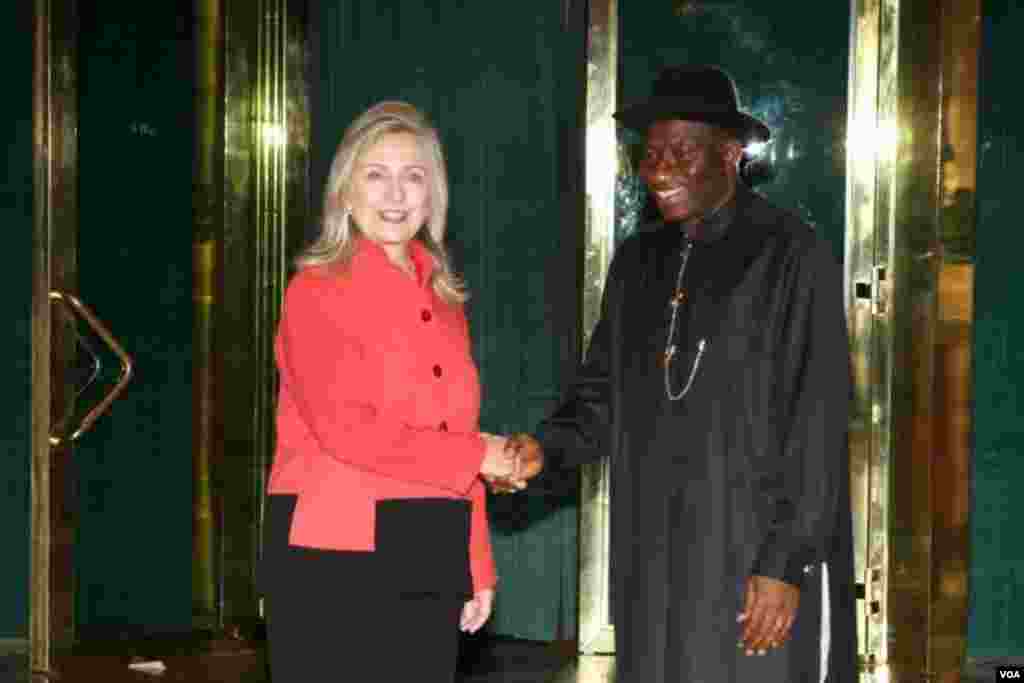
<point x="867" y="140"/>
<point x="207" y="273"/>
<point x="54" y="256"/>
<point x="39" y="616"/>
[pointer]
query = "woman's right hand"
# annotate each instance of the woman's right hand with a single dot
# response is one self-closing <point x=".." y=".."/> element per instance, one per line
<point x="500" y="461"/>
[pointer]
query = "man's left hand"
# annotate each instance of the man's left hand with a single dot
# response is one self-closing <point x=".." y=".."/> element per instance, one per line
<point x="768" y="614"/>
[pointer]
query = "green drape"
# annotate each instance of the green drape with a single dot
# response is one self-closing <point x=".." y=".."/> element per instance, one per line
<point x="502" y="81"/>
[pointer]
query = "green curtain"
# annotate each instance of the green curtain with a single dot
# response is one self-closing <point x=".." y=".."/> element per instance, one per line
<point x="995" y="626"/>
<point x="503" y="82"/>
<point x="15" y="348"/>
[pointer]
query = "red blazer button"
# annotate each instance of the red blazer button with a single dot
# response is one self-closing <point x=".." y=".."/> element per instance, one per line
<point x="437" y="371"/>
<point x="443" y="426"/>
<point x="426" y="315"/>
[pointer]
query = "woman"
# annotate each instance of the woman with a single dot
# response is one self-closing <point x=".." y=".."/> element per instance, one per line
<point x="377" y="547"/>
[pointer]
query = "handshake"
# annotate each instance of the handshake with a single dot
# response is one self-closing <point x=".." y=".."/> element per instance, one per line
<point x="510" y="462"/>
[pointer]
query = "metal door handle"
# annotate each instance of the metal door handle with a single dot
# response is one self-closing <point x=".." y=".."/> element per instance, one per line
<point x="103" y="333"/>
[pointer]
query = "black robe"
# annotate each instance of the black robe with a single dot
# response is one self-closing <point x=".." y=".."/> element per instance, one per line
<point x="746" y="474"/>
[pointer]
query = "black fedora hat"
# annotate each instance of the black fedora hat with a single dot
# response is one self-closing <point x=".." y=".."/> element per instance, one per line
<point x="694" y="93"/>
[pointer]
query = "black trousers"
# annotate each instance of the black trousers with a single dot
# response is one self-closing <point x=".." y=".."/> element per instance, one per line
<point x="330" y="618"/>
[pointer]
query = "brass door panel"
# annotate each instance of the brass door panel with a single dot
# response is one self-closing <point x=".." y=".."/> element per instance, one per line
<point x="909" y="275"/>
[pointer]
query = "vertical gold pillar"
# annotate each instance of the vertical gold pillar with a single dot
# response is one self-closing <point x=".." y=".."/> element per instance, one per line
<point x="264" y="214"/>
<point x="55" y="138"/>
<point x="868" y="148"/>
<point x="39" y="617"/>
<point x="909" y="312"/>
<point x="207" y="201"/>
<point x="961" y="30"/>
<point x="596" y="634"/>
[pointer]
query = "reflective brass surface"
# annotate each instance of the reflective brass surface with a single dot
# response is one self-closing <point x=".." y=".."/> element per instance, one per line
<point x="39" y="621"/>
<point x="955" y="331"/>
<point x="595" y="627"/>
<point x="914" y="230"/>
<point x="265" y="211"/>
<point x="869" y="150"/>
<point x="207" y="200"/>
<point x="251" y="211"/>
<point x="911" y="102"/>
<point x="51" y="622"/>
<point x="204" y="437"/>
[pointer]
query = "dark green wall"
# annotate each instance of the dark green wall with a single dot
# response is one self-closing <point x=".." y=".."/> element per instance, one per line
<point x="790" y="63"/>
<point x="134" y="469"/>
<point x="503" y="83"/>
<point x="16" y="345"/>
<point x="996" y="623"/>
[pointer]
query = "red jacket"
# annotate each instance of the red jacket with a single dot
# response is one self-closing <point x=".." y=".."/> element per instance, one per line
<point x="379" y="399"/>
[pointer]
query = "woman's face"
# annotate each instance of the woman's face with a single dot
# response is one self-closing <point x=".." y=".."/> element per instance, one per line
<point x="390" y="192"/>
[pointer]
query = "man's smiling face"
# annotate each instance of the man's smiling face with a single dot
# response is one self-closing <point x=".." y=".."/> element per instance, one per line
<point x="690" y="167"/>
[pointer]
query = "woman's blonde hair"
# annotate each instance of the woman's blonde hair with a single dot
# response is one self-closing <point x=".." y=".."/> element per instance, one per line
<point x="336" y="242"/>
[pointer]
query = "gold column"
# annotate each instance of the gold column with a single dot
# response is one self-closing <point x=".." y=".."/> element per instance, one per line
<point x="911" y="367"/>
<point x="207" y="201"/>
<point x="867" y="459"/>
<point x="596" y="631"/>
<point x="39" y="618"/>
<point x="55" y="137"/>
<point x="265" y="212"/>
<point x="961" y="28"/>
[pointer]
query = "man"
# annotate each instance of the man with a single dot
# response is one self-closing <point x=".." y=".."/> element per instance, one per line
<point x="718" y="382"/>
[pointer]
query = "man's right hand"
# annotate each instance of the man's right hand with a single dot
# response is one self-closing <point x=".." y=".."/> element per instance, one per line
<point x="530" y="457"/>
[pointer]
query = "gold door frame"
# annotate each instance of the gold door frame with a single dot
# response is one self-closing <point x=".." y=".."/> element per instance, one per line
<point x="910" y="317"/>
<point x="54" y="266"/>
<point x="251" y="211"/>
<point x="596" y="633"/>
<point x="266" y="209"/>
